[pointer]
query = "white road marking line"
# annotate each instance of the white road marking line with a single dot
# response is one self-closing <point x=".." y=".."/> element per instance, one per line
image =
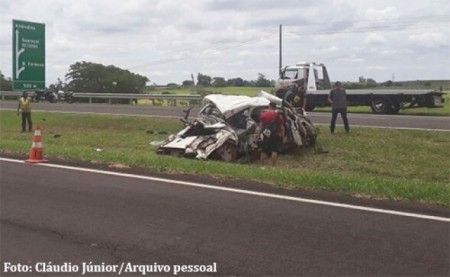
<point x="241" y="191"/>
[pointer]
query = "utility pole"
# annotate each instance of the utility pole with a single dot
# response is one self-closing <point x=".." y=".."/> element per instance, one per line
<point x="281" y="50"/>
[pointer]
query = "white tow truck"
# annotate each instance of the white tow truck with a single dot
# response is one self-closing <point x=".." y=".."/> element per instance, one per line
<point x="317" y="83"/>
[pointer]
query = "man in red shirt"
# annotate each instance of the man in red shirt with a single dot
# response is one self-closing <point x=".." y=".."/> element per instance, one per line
<point x="271" y="129"/>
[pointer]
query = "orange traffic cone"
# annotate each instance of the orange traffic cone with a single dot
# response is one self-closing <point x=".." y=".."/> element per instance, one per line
<point x="37" y="152"/>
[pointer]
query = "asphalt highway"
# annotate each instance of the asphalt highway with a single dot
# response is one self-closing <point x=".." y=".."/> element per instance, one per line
<point x="372" y="120"/>
<point x="73" y="216"/>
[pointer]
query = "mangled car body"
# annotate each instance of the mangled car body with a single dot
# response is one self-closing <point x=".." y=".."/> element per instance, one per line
<point x="225" y="128"/>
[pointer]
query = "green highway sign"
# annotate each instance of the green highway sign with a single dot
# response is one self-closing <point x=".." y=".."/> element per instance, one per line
<point x="28" y="55"/>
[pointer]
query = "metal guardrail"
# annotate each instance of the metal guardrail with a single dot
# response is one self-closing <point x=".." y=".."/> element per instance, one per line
<point x="3" y="94"/>
<point x="129" y="96"/>
<point x="133" y="97"/>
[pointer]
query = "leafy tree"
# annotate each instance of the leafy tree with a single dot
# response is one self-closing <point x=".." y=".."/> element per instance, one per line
<point x="237" y="82"/>
<point x="219" y="82"/>
<point x="203" y="80"/>
<point x="188" y="83"/>
<point x="262" y="81"/>
<point x="59" y="85"/>
<point x="97" y="78"/>
<point x="5" y="83"/>
<point x="371" y="83"/>
<point x="172" y="85"/>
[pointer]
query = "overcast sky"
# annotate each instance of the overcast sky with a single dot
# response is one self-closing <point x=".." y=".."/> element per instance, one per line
<point x="169" y="40"/>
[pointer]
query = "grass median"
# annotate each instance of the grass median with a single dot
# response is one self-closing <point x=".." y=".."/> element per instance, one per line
<point x="377" y="163"/>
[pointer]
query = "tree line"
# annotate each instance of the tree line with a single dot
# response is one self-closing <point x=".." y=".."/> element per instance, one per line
<point x="207" y="81"/>
<point x="97" y="78"/>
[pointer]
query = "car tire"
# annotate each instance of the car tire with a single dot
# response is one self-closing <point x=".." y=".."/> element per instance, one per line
<point x="227" y="152"/>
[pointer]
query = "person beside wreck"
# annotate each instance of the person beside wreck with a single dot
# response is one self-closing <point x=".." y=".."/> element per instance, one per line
<point x="297" y="97"/>
<point x="271" y="130"/>
<point x="24" y="107"/>
<point x="282" y="90"/>
<point x="338" y="101"/>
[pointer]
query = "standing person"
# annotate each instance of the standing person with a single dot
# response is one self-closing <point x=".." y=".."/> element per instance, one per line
<point x="24" y="107"/>
<point x="298" y="97"/>
<point x="281" y="91"/>
<point x="271" y="127"/>
<point x="338" y="101"/>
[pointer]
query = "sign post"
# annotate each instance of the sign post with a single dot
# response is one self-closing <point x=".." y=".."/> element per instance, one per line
<point x="28" y="55"/>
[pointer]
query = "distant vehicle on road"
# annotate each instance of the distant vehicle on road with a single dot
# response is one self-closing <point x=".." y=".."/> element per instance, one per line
<point x="44" y="95"/>
<point x="53" y="97"/>
<point x="65" y="96"/>
<point x="317" y="83"/>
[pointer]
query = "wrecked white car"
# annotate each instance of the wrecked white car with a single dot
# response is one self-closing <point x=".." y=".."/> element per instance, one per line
<point x="225" y="128"/>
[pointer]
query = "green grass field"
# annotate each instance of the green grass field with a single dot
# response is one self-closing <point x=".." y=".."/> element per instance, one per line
<point x="377" y="163"/>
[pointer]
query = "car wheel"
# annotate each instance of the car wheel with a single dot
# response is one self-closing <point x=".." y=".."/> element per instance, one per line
<point x="311" y="135"/>
<point x="227" y="152"/>
<point x="52" y="99"/>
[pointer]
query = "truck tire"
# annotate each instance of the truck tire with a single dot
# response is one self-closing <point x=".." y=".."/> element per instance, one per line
<point x="380" y="105"/>
<point x="394" y="109"/>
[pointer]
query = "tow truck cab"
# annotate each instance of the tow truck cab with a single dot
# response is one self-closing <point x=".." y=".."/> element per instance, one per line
<point x="313" y="74"/>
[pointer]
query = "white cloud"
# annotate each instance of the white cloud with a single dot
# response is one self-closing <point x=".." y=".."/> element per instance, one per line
<point x="331" y="49"/>
<point x="377" y="67"/>
<point x="357" y="60"/>
<point x="167" y="40"/>
<point x="380" y="15"/>
<point x="431" y="40"/>
<point x="374" y="38"/>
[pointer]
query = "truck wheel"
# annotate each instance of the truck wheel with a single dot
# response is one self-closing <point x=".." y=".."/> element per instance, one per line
<point x="394" y="109"/>
<point x="379" y="105"/>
